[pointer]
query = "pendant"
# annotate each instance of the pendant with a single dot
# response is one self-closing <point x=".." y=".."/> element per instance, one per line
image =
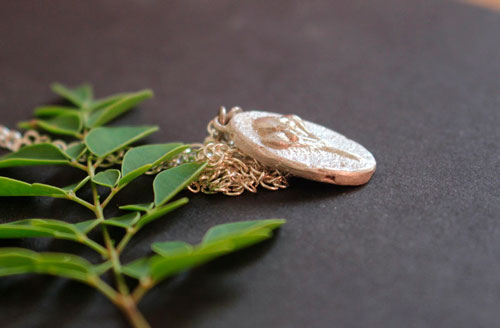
<point x="297" y="147"/>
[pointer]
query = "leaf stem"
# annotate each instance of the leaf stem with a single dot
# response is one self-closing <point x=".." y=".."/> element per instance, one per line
<point x="95" y="246"/>
<point x="78" y="165"/>
<point x="94" y="224"/>
<point x="106" y="290"/>
<point x="112" y="194"/>
<point x="97" y="163"/>
<point x="142" y="289"/>
<point x="115" y="261"/>
<point x="80" y="201"/>
<point x="126" y="303"/>
<point x="123" y="299"/>
<point x="129" y="308"/>
<point x="123" y="243"/>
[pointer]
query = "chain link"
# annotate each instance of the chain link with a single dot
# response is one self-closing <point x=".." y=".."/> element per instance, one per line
<point x="13" y="140"/>
<point x="228" y="170"/>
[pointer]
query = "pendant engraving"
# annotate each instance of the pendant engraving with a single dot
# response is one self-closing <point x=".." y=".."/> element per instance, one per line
<point x="302" y="148"/>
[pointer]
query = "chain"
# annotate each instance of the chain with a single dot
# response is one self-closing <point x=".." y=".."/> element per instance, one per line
<point x="13" y="140"/>
<point x="228" y="170"/>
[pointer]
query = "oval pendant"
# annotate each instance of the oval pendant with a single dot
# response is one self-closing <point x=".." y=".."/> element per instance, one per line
<point x="301" y="148"/>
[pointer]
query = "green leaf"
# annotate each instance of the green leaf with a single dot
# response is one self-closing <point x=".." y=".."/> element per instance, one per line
<point x="138" y="269"/>
<point x="76" y="151"/>
<point x="174" y="257"/>
<point x="104" y="141"/>
<point x="10" y="187"/>
<point x="107" y="178"/>
<point x="104" y="102"/>
<point x="19" y="261"/>
<point x="134" y="174"/>
<point x="136" y="220"/>
<point x="161" y="211"/>
<point x="102" y="268"/>
<point x="241" y="234"/>
<point x="137" y="207"/>
<point x="172" y="248"/>
<point x="140" y="159"/>
<point x="169" y="182"/>
<point x="85" y="226"/>
<point x="39" y="154"/>
<point x="76" y="186"/>
<point x="105" y="114"/>
<point x="161" y="267"/>
<point x="50" y="111"/>
<point x="27" y="125"/>
<point x="80" y="96"/>
<point x="40" y="228"/>
<point x="66" y="124"/>
<point x="149" y="154"/>
<point x="125" y="221"/>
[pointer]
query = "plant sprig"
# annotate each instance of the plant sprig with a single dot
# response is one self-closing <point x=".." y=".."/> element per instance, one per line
<point x="85" y="122"/>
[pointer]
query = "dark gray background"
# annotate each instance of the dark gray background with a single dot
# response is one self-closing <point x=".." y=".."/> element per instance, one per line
<point x="416" y="82"/>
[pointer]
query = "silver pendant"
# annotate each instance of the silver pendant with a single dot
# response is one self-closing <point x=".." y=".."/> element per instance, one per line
<point x="301" y="148"/>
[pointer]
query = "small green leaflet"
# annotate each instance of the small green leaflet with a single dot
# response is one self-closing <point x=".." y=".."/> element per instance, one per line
<point x="75" y="151"/>
<point x="139" y="269"/>
<point x="39" y="154"/>
<point x="100" y="103"/>
<point x="140" y="159"/>
<point x="169" y="182"/>
<point x="12" y="187"/>
<point x="172" y="248"/>
<point x="65" y="124"/>
<point x="18" y="261"/>
<point x="41" y="228"/>
<point x="80" y="96"/>
<point x="137" y="207"/>
<point x="50" y="111"/>
<point x="160" y="211"/>
<point x="76" y="186"/>
<point x="241" y="234"/>
<point x="159" y="267"/>
<point x="124" y="221"/>
<point x="107" y="178"/>
<point x="149" y="154"/>
<point x="86" y="226"/>
<point x="162" y="267"/>
<point x="105" y="114"/>
<point x="104" y="141"/>
<point x="174" y="257"/>
<point x="137" y="221"/>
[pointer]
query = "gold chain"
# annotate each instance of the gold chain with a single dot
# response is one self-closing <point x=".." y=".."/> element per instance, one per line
<point x="14" y="140"/>
<point x="228" y="170"/>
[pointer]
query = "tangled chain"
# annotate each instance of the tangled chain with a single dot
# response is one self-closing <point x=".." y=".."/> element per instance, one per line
<point x="228" y="170"/>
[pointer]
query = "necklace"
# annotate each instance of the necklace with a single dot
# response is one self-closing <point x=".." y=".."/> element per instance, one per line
<point x="245" y="150"/>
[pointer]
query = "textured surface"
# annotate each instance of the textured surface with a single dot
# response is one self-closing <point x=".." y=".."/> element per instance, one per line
<point x="415" y="82"/>
<point x="313" y="152"/>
